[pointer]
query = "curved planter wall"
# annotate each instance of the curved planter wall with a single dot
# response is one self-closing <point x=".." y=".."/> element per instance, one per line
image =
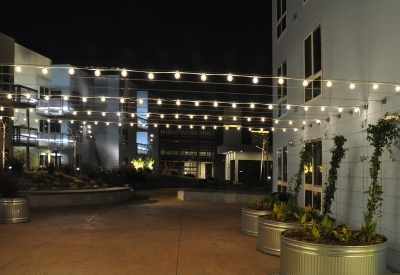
<point x="250" y="220"/>
<point x="300" y="258"/>
<point x="14" y="210"/>
<point x="269" y="235"/>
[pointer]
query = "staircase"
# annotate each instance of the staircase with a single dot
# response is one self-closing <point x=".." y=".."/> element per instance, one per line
<point x="96" y="153"/>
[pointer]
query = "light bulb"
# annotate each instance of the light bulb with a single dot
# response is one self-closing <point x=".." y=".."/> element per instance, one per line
<point x="159" y="101"/>
<point x="290" y="122"/>
<point x="318" y="121"/>
<point x="103" y="114"/>
<point x="226" y="128"/>
<point x="356" y="110"/>
<point x="155" y="125"/>
<point x="95" y="123"/>
<point x="234" y="118"/>
<point x="230" y="77"/>
<point x="84" y="99"/>
<point x="262" y="119"/>
<point x="162" y="116"/>
<point x="122" y="100"/>
<point x="375" y="86"/>
<point x="177" y="75"/>
<point x="340" y="110"/>
<point x="397" y="88"/>
<point x="131" y="123"/>
<point x="28" y="95"/>
<point x="18" y="68"/>
<point x="284" y="130"/>
<point x="250" y="129"/>
<point x="215" y="127"/>
<point x="205" y="117"/>
<point x="178" y="102"/>
<point x="306" y="108"/>
<point x="220" y="118"/>
<point x="191" y="126"/>
<point x="322" y="108"/>
<point x="215" y="104"/>
<point x="191" y="116"/>
<point x="71" y="71"/>
<point x="89" y="112"/>
<point x="255" y="80"/>
<point x="352" y="86"/>
<point x="150" y="76"/>
<point x="65" y="98"/>
<point x="280" y="80"/>
<point x="203" y="77"/>
<point x="176" y="116"/>
<point x="203" y="127"/>
<point x="252" y="105"/>
<point x="179" y="126"/>
<point x="249" y="119"/>
<point x="118" y="113"/>
<point x="238" y="127"/>
<point x="196" y="103"/>
<point x="132" y="115"/>
<point x="233" y="105"/>
<point x="329" y="83"/>
<point x="304" y="122"/>
<point x="167" y="125"/>
<point x="46" y="97"/>
<point x="9" y="96"/>
<point x="270" y="107"/>
<point x="272" y="129"/>
<point x="124" y="73"/>
<point x="148" y="114"/>
<point x="140" y="101"/>
<point x="60" y="111"/>
<point x="305" y="83"/>
<point x="276" y="121"/>
<point x="288" y="107"/>
<point x="107" y="123"/>
<point x="45" y="70"/>
<point x="74" y="113"/>
<point x="97" y="72"/>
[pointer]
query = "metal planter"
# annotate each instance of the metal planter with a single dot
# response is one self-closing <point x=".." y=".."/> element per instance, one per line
<point x="269" y="235"/>
<point x="250" y="220"/>
<point x="14" y="210"/>
<point x="301" y="258"/>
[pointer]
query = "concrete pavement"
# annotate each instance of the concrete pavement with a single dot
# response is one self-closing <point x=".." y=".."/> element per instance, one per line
<point x="152" y="234"/>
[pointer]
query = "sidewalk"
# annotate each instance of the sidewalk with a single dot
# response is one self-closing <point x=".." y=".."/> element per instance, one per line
<point x="155" y="235"/>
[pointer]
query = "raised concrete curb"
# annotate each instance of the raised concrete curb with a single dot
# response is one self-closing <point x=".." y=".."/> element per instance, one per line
<point x="78" y="197"/>
<point x="217" y="196"/>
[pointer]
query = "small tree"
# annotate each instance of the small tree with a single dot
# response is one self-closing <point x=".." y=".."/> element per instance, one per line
<point x="338" y="153"/>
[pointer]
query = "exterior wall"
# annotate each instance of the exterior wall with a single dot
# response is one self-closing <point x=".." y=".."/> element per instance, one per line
<point x="359" y="43"/>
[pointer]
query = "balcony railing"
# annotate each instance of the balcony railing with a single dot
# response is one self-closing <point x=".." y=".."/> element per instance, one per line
<point x="24" y="136"/>
<point x="54" y="107"/>
<point x="24" y="96"/>
<point x="59" y="141"/>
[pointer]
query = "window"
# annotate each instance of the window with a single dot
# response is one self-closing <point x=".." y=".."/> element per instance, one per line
<point x="313" y="64"/>
<point x="44" y="92"/>
<point x="78" y="160"/>
<point x="55" y="94"/>
<point x="124" y="137"/>
<point x="76" y="100"/>
<point x="282" y="110"/>
<point x="43" y="160"/>
<point x="52" y="126"/>
<point x="282" y="72"/>
<point x="313" y="179"/>
<point x="282" y="169"/>
<point x="124" y="160"/>
<point x="280" y="17"/>
<point x="5" y="77"/>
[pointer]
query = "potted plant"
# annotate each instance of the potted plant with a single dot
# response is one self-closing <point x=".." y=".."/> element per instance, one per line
<point x="13" y="207"/>
<point x="319" y="248"/>
<point x="283" y="215"/>
<point x="250" y="213"/>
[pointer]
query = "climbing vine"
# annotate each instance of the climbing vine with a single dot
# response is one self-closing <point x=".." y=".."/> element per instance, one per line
<point x="338" y="153"/>
<point x="306" y="156"/>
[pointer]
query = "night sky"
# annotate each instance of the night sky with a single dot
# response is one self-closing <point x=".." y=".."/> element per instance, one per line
<point x="196" y="36"/>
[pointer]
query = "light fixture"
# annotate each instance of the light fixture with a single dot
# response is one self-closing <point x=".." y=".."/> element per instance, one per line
<point x="84" y="99"/>
<point x="46" y="97"/>
<point x="215" y="104"/>
<point x="65" y="98"/>
<point x="238" y="127"/>
<point x="215" y="127"/>
<point x="234" y="118"/>
<point x="150" y="76"/>
<point x="205" y="117"/>
<point x="288" y="107"/>
<point x="140" y="101"/>
<point x="375" y="86"/>
<point x="304" y="122"/>
<point x="118" y="113"/>
<point x="162" y="116"/>
<point x="45" y="70"/>
<point x="191" y="116"/>
<point x="276" y="121"/>
<point x="295" y="129"/>
<point x="233" y="105"/>
<point x="249" y="119"/>
<point x="60" y="121"/>
<point x="255" y="79"/>
<point x="28" y="95"/>
<point x="226" y="128"/>
<point x="203" y="77"/>
<point x="252" y="105"/>
<point x="155" y="125"/>
<point x="270" y="107"/>
<point x="89" y="112"/>
<point x="9" y="96"/>
<point x="97" y="72"/>
<point x="95" y="123"/>
<point x="177" y="75"/>
<point x="280" y="80"/>
<point x="71" y="71"/>
<point x="122" y="100"/>
<point x="178" y="102"/>
<point x="230" y="77"/>
<point x="262" y="119"/>
<point x="250" y="129"/>
<point x="306" y="108"/>
<point x="60" y="111"/>
<point x="159" y="101"/>
<point x="397" y="88"/>
<point x="284" y="130"/>
<point x="318" y="121"/>
<point x="103" y="114"/>
<point x="220" y="118"/>
<point x="356" y="110"/>
<point x="352" y="86"/>
<point x="124" y="73"/>
<point x="167" y="125"/>
<point x="329" y="83"/>
<point x="272" y="129"/>
<point x="191" y="126"/>
<point x="196" y="103"/>
<point x="340" y="110"/>
<point x="203" y="127"/>
<point x="148" y="114"/>
<point x="176" y="116"/>
<point x="290" y="122"/>
<point x="74" y="113"/>
<point x="103" y="99"/>
<point x="18" y="68"/>
<point x="179" y="126"/>
<point x="322" y="108"/>
<point x="107" y="123"/>
<point x="132" y="115"/>
<point x="305" y="83"/>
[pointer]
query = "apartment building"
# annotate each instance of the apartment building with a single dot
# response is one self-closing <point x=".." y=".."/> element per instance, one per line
<point x="336" y="69"/>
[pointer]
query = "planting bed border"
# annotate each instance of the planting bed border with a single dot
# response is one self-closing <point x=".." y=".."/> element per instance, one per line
<point x="218" y="196"/>
<point x="78" y="197"/>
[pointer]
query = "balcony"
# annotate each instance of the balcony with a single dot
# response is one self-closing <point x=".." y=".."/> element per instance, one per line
<point x="55" y="141"/>
<point x="24" y="136"/>
<point x="24" y="97"/>
<point x="141" y="149"/>
<point x="142" y="123"/>
<point x="54" y="107"/>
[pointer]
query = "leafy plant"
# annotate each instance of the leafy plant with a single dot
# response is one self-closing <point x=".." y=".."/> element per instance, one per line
<point x="368" y="230"/>
<point x="308" y="217"/>
<point x="382" y="135"/>
<point x="16" y="164"/>
<point x="265" y="203"/>
<point x="338" y="153"/>
<point x="10" y="185"/>
<point x="343" y="233"/>
<point x="326" y="226"/>
<point x="280" y="211"/>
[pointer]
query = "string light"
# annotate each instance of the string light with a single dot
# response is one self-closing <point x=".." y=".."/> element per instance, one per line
<point x="65" y="98"/>
<point x="18" y="68"/>
<point x="84" y="99"/>
<point x="103" y="99"/>
<point x="176" y="116"/>
<point x="397" y="88"/>
<point x="159" y="101"/>
<point x="203" y="77"/>
<point x="162" y="116"/>
<point x="71" y="71"/>
<point x="280" y="80"/>
<point x="178" y="102"/>
<point x="255" y="79"/>
<point x="306" y="108"/>
<point x="45" y="71"/>
<point x="233" y="105"/>
<point x="122" y="100"/>
<point x="252" y="105"/>
<point x="215" y="104"/>
<point x="305" y="83"/>
<point x="177" y="75"/>
<point x="340" y="110"/>
<point x="220" y="118"/>
<point x="322" y="108"/>
<point x="140" y="101"/>
<point x="97" y="72"/>
<point x="196" y="103"/>
<point x="124" y="73"/>
<point x="329" y="83"/>
<point x="352" y="86"/>
<point x="230" y="77"/>
<point x="270" y="107"/>
<point x="375" y="86"/>
<point x="150" y="76"/>
<point x="205" y="117"/>
<point x="276" y="121"/>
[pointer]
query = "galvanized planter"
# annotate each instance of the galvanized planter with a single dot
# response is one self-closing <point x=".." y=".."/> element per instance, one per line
<point x="250" y="220"/>
<point x="14" y="210"/>
<point x="269" y="235"/>
<point x="301" y="258"/>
